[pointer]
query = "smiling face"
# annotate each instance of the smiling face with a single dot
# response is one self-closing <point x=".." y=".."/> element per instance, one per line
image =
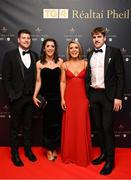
<point x="49" y="48"/>
<point x="98" y="40"/>
<point x="24" y="41"/>
<point x="74" y="50"/>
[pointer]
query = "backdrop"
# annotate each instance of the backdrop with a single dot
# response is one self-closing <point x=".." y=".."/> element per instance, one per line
<point x="66" y="20"/>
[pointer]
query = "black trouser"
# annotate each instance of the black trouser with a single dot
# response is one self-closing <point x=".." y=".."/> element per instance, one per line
<point x="102" y="110"/>
<point x="21" y="116"/>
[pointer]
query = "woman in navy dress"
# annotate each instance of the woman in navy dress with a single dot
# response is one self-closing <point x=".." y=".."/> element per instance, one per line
<point x="48" y="85"/>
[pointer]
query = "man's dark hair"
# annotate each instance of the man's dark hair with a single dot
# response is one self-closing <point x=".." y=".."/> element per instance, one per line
<point x="24" y="31"/>
<point x="97" y="30"/>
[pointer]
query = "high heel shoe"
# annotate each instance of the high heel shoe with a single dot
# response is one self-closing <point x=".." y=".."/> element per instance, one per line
<point x="50" y="156"/>
<point x="55" y="154"/>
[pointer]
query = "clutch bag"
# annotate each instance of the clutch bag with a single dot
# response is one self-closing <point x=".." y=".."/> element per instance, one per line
<point x="43" y="101"/>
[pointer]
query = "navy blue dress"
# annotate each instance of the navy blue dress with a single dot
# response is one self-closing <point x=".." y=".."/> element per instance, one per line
<point x="52" y="113"/>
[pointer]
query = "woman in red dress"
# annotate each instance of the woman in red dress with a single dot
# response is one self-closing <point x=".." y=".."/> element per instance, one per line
<point x="76" y="135"/>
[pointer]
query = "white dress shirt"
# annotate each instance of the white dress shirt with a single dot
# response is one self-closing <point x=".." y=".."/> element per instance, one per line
<point x="26" y="59"/>
<point x="97" y="68"/>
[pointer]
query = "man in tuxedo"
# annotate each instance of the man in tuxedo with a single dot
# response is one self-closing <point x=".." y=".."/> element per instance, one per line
<point x="19" y="80"/>
<point x="104" y="85"/>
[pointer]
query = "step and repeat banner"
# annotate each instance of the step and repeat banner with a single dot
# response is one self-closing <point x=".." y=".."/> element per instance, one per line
<point x="65" y="20"/>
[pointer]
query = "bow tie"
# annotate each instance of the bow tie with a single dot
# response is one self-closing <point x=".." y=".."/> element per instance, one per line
<point x="25" y="52"/>
<point x="97" y="50"/>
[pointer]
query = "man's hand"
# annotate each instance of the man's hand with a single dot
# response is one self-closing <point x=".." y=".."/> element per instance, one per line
<point x="117" y="105"/>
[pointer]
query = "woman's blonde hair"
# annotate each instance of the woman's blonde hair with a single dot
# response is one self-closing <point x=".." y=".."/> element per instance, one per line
<point x="80" y="50"/>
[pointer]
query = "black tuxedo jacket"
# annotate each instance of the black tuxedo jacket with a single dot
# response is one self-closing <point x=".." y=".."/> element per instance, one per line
<point x="113" y="73"/>
<point x="13" y="73"/>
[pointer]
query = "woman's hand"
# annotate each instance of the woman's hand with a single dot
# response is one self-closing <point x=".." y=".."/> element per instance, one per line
<point x="36" y="101"/>
<point x="63" y="105"/>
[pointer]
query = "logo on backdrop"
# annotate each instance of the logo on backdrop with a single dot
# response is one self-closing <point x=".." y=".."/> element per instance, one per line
<point x="4" y="111"/>
<point x="55" y="13"/>
<point x="122" y="131"/>
<point x="5" y="35"/>
<point x="86" y="14"/>
<point x="38" y="34"/>
<point x="3" y="30"/>
<point x="72" y="35"/>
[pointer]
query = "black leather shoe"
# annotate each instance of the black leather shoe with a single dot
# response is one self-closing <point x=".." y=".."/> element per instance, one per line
<point x="107" y="169"/>
<point x="16" y="160"/>
<point x="30" y="155"/>
<point x="99" y="160"/>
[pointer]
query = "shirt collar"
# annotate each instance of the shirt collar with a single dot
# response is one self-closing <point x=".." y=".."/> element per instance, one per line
<point x="103" y="47"/>
<point x="21" y="50"/>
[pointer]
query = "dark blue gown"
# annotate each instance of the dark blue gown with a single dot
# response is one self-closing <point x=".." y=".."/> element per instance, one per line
<point x="52" y="113"/>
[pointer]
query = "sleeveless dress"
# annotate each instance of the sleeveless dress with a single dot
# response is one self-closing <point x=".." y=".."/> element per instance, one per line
<point x="76" y="135"/>
<point x="52" y="113"/>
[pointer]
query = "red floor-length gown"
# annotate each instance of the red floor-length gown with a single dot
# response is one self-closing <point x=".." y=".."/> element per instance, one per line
<point x="76" y="137"/>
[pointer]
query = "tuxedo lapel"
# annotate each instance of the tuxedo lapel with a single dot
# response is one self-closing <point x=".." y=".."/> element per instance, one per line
<point x="89" y="55"/>
<point x="107" y="59"/>
<point x="20" y="63"/>
<point x="88" y="71"/>
<point x="33" y="60"/>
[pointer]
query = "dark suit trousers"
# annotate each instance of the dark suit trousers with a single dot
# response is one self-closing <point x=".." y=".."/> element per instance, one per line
<point x="21" y="117"/>
<point x="102" y="110"/>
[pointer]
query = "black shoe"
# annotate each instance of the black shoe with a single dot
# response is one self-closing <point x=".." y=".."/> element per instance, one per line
<point x="99" y="160"/>
<point x="30" y="155"/>
<point x="16" y="160"/>
<point x="107" y="169"/>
